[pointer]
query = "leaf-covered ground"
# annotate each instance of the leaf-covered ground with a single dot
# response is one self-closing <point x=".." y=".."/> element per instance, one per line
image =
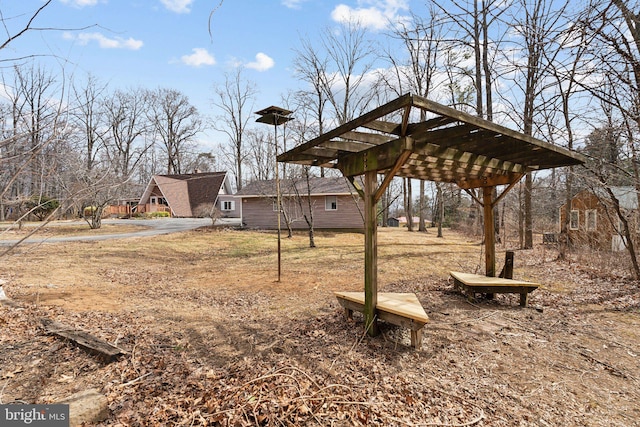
<point x="213" y="339"/>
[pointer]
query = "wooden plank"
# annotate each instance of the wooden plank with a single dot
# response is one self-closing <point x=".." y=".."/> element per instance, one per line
<point x="374" y="159"/>
<point x="371" y="116"/>
<point x="347" y="146"/>
<point x="391" y="174"/>
<point x="490" y="181"/>
<point x="367" y="138"/>
<point x="383" y="126"/>
<point x="402" y="309"/>
<point x="84" y="339"/>
<point x="406" y="305"/>
<point x="480" y="280"/>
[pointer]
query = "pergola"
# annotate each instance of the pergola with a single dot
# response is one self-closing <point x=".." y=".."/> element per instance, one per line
<point x="414" y="137"/>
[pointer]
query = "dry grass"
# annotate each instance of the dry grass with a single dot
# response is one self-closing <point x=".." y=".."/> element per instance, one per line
<point x="215" y="339"/>
<point x="226" y="260"/>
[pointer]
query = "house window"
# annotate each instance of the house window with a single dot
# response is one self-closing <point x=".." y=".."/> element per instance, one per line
<point x="591" y="216"/>
<point x="228" y="205"/>
<point x="574" y="220"/>
<point x="154" y="201"/>
<point x="331" y="203"/>
<point x="275" y="205"/>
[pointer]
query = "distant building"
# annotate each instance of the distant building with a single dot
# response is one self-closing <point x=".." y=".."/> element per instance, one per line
<point x="189" y="195"/>
<point x="593" y="221"/>
<point x="393" y="222"/>
<point x="335" y="204"/>
<point x="402" y="221"/>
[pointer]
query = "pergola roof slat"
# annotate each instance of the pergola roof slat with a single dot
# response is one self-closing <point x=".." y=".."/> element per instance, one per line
<point x="485" y="147"/>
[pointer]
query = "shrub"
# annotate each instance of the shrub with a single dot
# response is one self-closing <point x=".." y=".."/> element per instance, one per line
<point x="158" y="214"/>
<point x="42" y="206"/>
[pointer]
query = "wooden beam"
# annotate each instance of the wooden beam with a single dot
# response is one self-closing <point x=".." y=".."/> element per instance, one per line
<point x="370" y="253"/>
<point x="491" y="181"/>
<point x="383" y="126"/>
<point x="352" y="146"/>
<point x="367" y="138"/>
<point x="378" y="158"/>
<point x="371" y="116"/>
<point x="421" y="128"/>
<point x="489" y="232"/>
<point x="391" y="173"/>
<point x="405" y="120"/>
<point x="473" y="196"/>
<point x="356" y="185"/>
<point x="446" y="137"/>
<point x="506" y="190"/>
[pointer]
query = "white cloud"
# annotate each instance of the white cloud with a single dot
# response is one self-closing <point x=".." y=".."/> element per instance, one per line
<point x="199" y="57"/>
<point x="80" y="3"/>
<point x="262" y="63"/>
<point x="178" y="6"/>
<point x="105" y="42"/>
<point x="293" y="4"/>
<point x="373" y="14"/>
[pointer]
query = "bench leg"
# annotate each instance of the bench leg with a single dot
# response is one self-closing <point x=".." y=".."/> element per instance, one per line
<point x="471" y="296"/>
<point x="416" y="339"/>
<point x="524" y="299"/>
<point x="348" y="313"/>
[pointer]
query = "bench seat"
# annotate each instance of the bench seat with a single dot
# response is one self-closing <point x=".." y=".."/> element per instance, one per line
<point x="471" y="284"/>
<point x="402" y="309"/>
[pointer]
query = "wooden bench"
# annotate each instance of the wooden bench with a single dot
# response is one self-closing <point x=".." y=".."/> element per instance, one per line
<point x="402" y="309"/>
<point x="471" y="284"/>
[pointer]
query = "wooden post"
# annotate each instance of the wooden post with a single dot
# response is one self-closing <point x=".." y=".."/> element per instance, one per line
<point x="370" y="253"/>
<point x="489" y="232"/>
<point x="507" y="270"/>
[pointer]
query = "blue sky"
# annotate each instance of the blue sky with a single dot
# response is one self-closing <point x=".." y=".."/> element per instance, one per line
<point x="166" y="43"/>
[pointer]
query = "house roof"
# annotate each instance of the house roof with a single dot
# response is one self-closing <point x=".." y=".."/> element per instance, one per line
<point x="184" y="193"/>
<point x="414" y="137"/>
<point x="334" y="186"/>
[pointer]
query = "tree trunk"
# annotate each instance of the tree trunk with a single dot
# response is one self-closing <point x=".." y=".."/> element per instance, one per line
<point x="528" y="215"/>
<point x="409" y="207"/>
<point x="421" y="226"/>
<point x="440" y="207"/>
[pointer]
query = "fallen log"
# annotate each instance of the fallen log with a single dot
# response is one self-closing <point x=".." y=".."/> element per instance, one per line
<point x="85" y="340"/>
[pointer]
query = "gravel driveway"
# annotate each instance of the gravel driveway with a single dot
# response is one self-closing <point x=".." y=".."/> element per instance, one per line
<point x="150" y="227"/>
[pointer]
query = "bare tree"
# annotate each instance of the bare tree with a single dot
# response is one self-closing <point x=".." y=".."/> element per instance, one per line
<point x="537" y="24"/>
<point x="261" y="155"/>
<point x="127" y="126"/>
<point x="235" y="99"/>
<point x="176" y="122"/>
<point x="312" y="69"/>
<point x="567" y="70"/>
<point x="349" y="59"/>
<point x="421" y="40"/>
<point x="34" y="121"/>
<point x="87" y="117"/>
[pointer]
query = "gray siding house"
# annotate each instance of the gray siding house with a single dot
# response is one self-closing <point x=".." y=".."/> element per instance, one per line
<point x="334" y="203"/>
